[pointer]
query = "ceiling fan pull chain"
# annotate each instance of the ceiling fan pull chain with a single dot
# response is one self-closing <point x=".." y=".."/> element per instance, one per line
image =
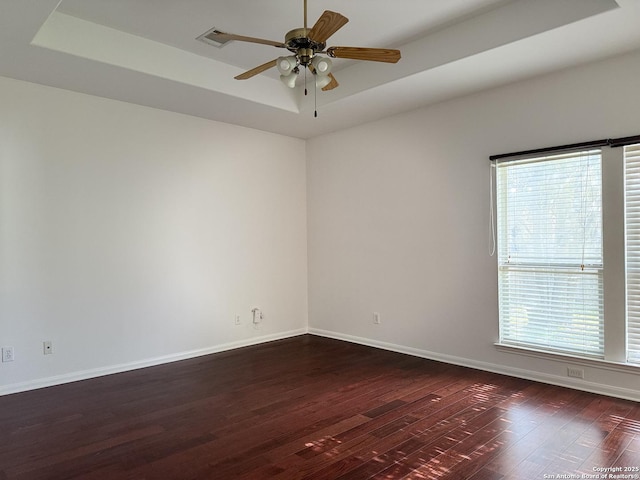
<point x="315" y="100"/>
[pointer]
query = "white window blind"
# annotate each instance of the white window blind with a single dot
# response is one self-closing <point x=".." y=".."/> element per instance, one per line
<point x="632" y="223"/>
<point x="550" y="268"/>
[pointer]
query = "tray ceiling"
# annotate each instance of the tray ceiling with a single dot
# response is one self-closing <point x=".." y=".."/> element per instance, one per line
<point x="146" y="52"/>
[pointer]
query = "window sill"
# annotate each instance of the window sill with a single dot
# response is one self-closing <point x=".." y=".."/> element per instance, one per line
<point x="584" y="361"/>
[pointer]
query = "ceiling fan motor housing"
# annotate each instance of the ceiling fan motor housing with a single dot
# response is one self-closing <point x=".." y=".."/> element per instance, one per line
<point x="298" y="42"/>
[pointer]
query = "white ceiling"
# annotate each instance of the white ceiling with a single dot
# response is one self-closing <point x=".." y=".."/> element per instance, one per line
<point x="146" y="52"/>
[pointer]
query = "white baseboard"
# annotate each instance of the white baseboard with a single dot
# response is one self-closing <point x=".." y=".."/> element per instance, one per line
<point x="125" y="367"/>
<point x="618" y="392"/>
<point x="625" y="393"/>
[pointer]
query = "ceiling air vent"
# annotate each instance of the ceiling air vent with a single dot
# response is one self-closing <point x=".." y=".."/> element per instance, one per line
<point x="214" y="37"/>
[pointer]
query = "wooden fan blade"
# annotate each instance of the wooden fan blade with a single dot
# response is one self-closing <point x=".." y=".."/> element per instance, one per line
<point x="257" y="70"/>
<point x="221" y="37"/>
<point x="361" y="53"/>
<point x="328" y="24"/>
<point x="331" y="85"/>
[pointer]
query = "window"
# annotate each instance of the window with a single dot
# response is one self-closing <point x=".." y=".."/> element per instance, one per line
<point x="632" y="233"/>
<point x="550" y="258"/>
<point x="562" y="213"/>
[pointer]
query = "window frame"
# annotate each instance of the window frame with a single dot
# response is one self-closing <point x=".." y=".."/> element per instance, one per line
<point x="614" y="248"/>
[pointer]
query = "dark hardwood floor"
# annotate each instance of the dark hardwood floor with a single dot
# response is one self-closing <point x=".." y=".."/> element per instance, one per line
<point x="313" y="408"/>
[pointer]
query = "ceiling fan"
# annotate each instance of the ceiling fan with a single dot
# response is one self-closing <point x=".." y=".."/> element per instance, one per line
<point x="307" y="46"/>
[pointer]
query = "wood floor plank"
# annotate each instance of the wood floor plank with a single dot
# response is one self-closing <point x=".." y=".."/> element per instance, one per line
<point x="311" y="408"/>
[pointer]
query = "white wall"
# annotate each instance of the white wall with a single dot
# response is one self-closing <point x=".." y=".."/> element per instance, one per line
<point x="131" y="236"/>
<point x="398" y="214"/>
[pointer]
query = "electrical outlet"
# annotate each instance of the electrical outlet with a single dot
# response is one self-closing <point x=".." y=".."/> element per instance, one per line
<point x="7" y="354"/>
<point x="376" y="318"/>
<point x="47" y="347"/>
<point x="237" y="320"/>
<point x="575" y="372"/>
<point x="257" y="315"/>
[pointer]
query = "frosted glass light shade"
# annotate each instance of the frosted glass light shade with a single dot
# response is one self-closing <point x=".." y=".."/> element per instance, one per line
<point x="287" y="64"/>
<point x="289" y="80"/>
<point x="322" y="81"/>
<point x="322" y="65"/>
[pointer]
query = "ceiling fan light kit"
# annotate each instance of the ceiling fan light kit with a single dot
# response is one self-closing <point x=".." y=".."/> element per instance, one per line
<point x="308" y="48"/>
